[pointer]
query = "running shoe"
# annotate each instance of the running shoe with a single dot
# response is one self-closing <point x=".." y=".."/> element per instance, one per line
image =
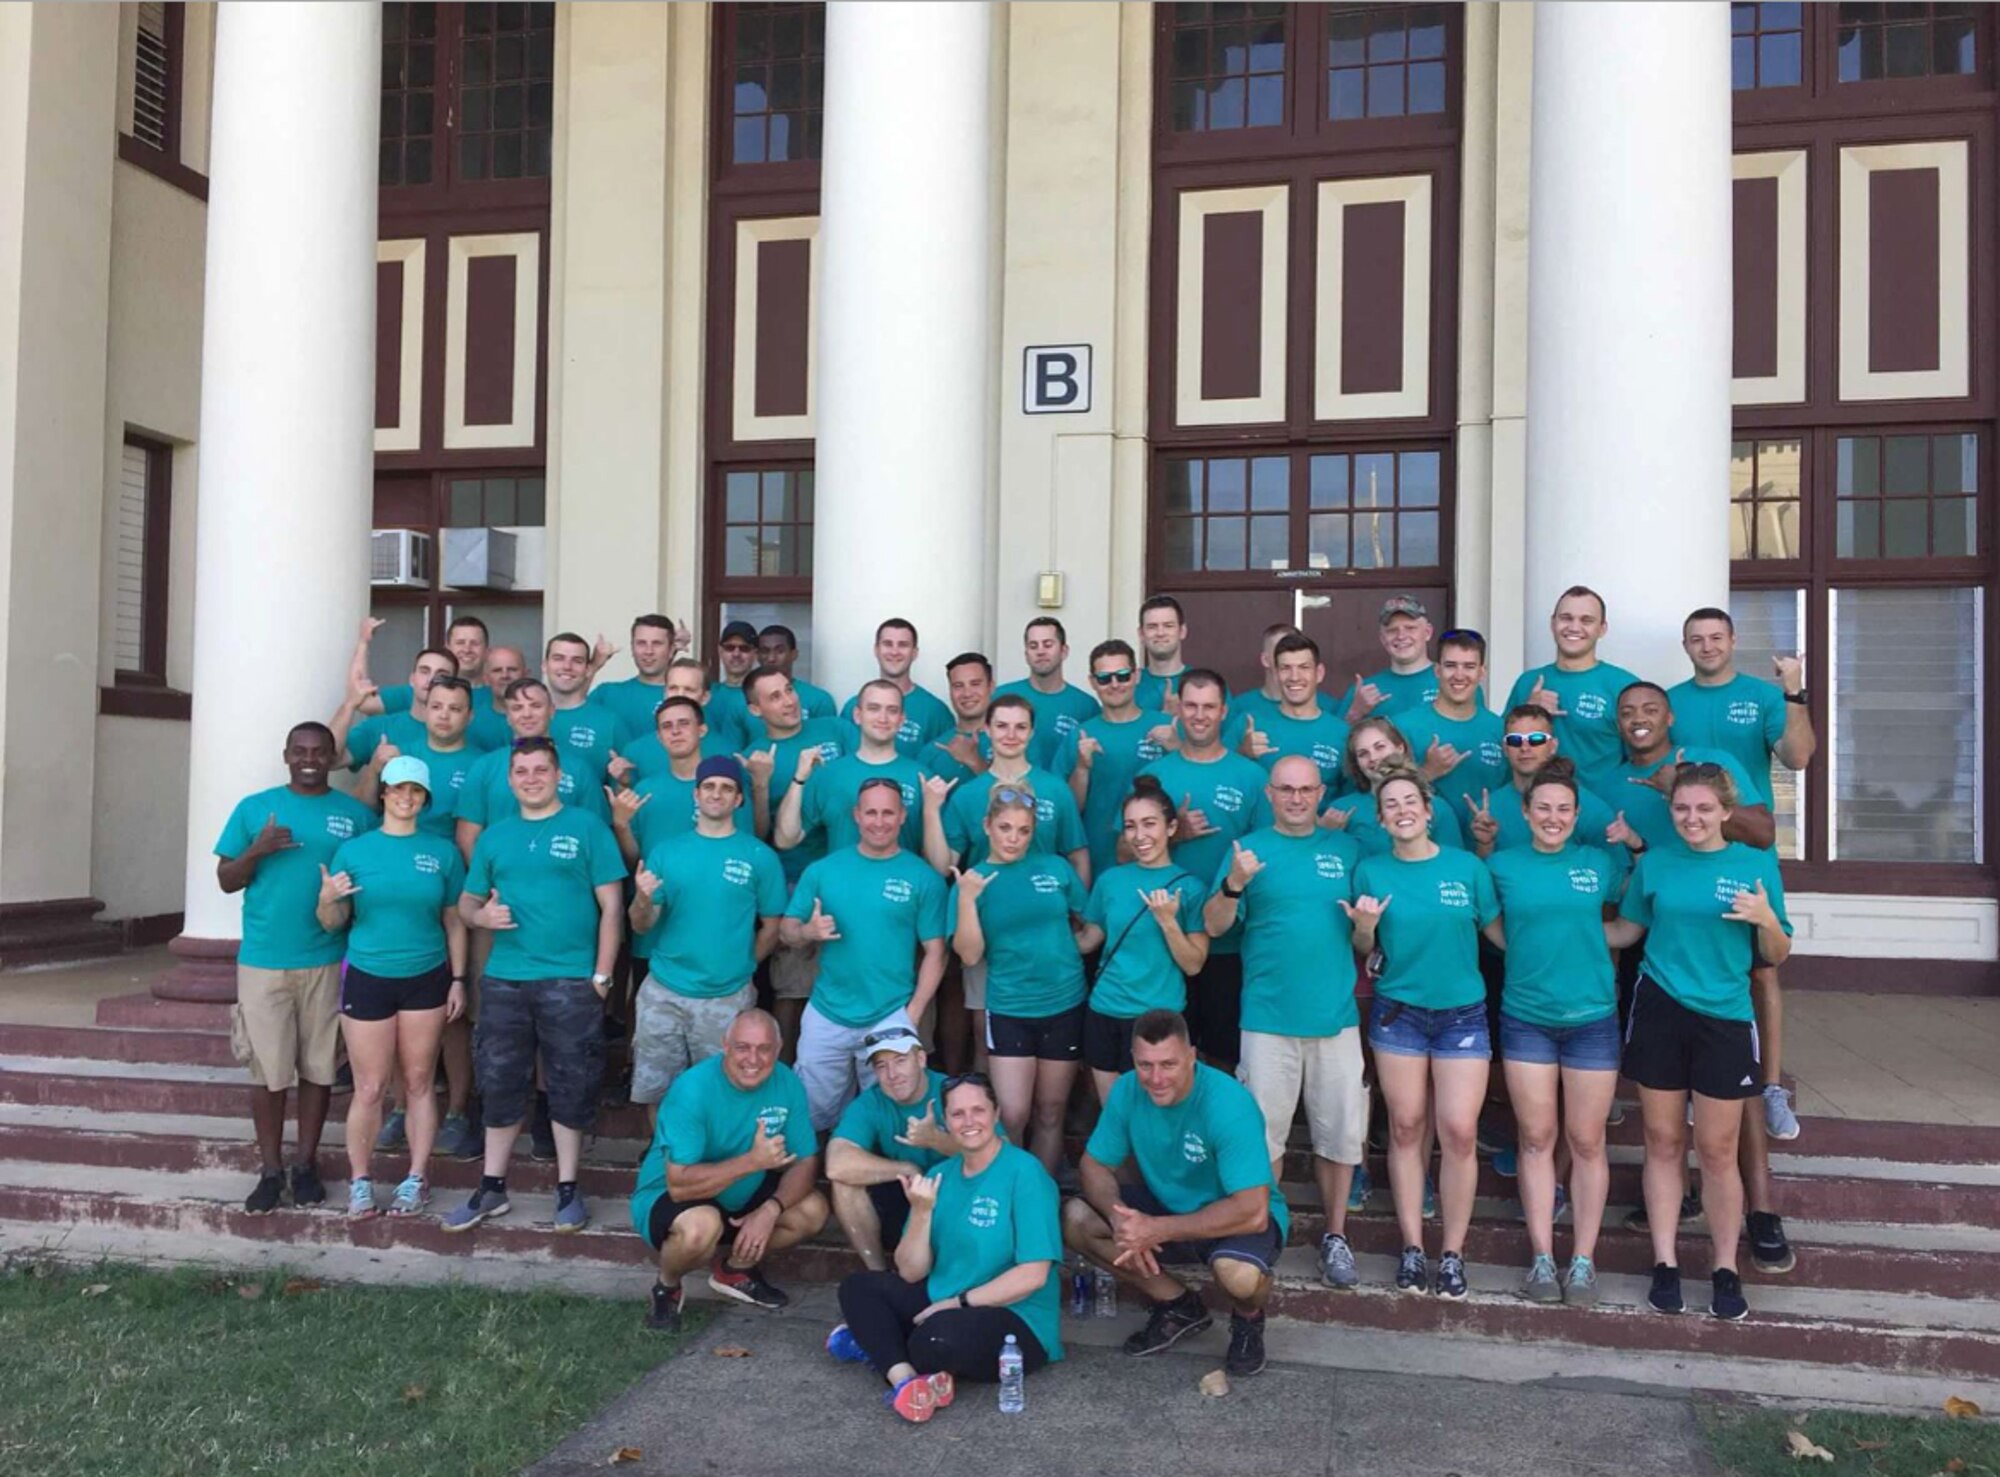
<point x="664" y="1315"/>
<point x="361" y="1199"/>
<point x="572" y="1217"/>
<point x="1336" y="1262"/>
<point x="413" y="1196"/>
<point x="1780" y="1122"/>
<point x="746" y="1285"/>
<point x="392" y="1139"/>
<point x="1580" y="1286"/>
<point x="1666" y="1292"/>
<point x="1246" y="1346"/>
<point x="1451" y="1277"/>
<point x="943" y="1390"/>
<point x="1413" y="1273"/>
<point x="841" y="1343"/>
<point x="269" y="1194"/>
<point x="1541" y="1285"/>
<point x="1727" y="1301"/>
<point x="1359" y="1190"/>
<point x="1169" y="1323"/>
<point x="1768" y="1246"/>
<point x="306" y="1186"/>
<point x="458" y="1139"/>
<point x="1507" y="1163"/>
<point x="483" y="1205"/>
<point x="914" y="1400"/>
<point x="1691" y="1215"/>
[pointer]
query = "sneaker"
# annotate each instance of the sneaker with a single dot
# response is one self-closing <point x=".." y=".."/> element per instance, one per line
<point x="458" y="1139"/>
<point x="943" y="1389"/>
<point x="1359" y="1191"/>
<point x="1617" y="1114"/>
<point x="1541" y="1285"/>
<point x="1666" y="1292"/>
<point x="841" y="1343"/>
<point x="1430" y="1200"/>
<point x="484" y="1205"/>
<point x="542" y="1140"/>
<point x="1507" y="1164"/>
<point x="269" y="1194"/>
<point x="1768" y="1246"/>
<point x="1691" y="1215"/>
<point x="1169" y="1323"/>
<point x="1336" y="1262"/>
<point x="392" y="1140"/>
<point x="413" y="1196"/>
<point x="306" y="1186"/>
<point x="572" y="1217"/>
<point x="361" y="1199"/>
<point x="664" y="1316"/>
<point x="1727" y="1301"/>
<point x="1780" y="1122"/>
<point x="1580" y="1286"/>
<point x="1246" y="1346"/>
<point x="1451" y="1276"/>
<point x="914" y="1400"/>
<point x="1413" y="1273"/>
<point x="745" y="1284"/>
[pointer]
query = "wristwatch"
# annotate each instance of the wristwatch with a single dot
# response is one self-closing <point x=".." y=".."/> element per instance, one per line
<point x="599" y="981"/>
<point x="1231" y="892"/>
<point x="1801" y="697"/>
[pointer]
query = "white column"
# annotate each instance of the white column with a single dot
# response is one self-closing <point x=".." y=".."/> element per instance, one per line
<point x="902" y="377"/>
<point x="287" y="409"/>
<point x="1629" y="320"/>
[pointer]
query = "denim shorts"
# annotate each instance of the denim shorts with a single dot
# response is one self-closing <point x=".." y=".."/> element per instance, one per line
<point x="1458" y="1034"/>
<point x="1588" y="1046"/>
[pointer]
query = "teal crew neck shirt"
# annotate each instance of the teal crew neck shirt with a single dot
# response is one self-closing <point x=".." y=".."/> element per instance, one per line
<point x="714" y="891"/>
<point x="1298" y="949"/>
<point x="1694" y="951"/>
<point x="884" y="908"/>
<point x="1033" y="967"/>
<point x="1587" y="728"/>
<point x="1744" y="717"/>
<point x="280" y="930"/>
<point x="405" y="883"/>
<point x="1136" y="971"/>
<point x="991" y="1222"/>
<point x="707" y="1119"/>
<point x="1194" y="1152"/>
<point x="1429" y="933"/>
<point x="1552" y="908"/>
<point x="547" y="872"/>
<point x="1057" y="716"/>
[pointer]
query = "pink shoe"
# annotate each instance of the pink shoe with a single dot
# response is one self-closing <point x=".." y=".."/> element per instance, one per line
<point x="914" y="1400"/>
<point x="942" y="1389"/>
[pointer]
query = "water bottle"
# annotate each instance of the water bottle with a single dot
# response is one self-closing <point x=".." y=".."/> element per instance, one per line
<point x="1079" y="1287"/>
<point x="1013" y="1382"/>
<point x="1107" y="1294"/>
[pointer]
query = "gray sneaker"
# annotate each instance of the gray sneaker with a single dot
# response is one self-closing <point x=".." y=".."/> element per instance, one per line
<point x="1336" y="1262"/>
<point x="458" y="1139"/>
<point x="573" y="1216"/>
<point x="1580" y="1287"/>
<point x="1780" y="1122"/>
<point x="1541" y="1285"/>
<point x="391" y="1140"/>
<point x="484" y="1205"/>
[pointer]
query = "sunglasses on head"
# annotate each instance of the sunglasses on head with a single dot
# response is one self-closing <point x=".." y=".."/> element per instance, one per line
<point x="1008" y="795"/>
<point x="880" y="782"/>
<point x="1527" y="740"/>
<point x="963" y="1079"/>
<point x="1117" y="674"/>
<point x="1689" y="769"/>
<point x="1459" y="634"/>
<point x="898" y="1038"/>
<point x="536" y="745"/>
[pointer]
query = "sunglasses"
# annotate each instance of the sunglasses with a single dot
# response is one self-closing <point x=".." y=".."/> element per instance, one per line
<point x="1688" y="769"/>
<point x="879" y="782"/>
<point x="1009" y="795"/>
<point x="536" y="745"/>
<point x="899" y="1038"/>
<point x="1458" y="635"/>
<point x="964" y="1079"/>
<point x="1526" y="740"/>
<point x="1105" y="679"/>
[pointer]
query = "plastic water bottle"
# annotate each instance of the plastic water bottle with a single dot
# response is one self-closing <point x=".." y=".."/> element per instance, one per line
<point x="1079" y="1287"/>
<point x="1106" y="1294"/>
<point x="1013" y="1381"/>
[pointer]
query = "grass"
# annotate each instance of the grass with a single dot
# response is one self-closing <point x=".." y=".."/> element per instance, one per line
<point x="138" y="1373"/>
<point x="1749" y="1441"/>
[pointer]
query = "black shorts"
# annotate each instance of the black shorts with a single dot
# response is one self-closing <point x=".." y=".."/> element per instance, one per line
<point x="1215" y="1009"/>
<point x="667" y="1210"/>
<point x="1259" y="1248"/>
<point x="1107" y="1041"/>
<point x="892" y="1211"/>
<point x="1670" y="1048"/>
<point x="1048" y="1038"/>
<point x="375" y="997"/>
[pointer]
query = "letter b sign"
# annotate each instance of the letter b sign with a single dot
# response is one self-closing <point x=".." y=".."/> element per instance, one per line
<point x="1056" y="379"/>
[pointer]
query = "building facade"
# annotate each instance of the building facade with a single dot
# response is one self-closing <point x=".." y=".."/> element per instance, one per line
<point x="969" y="312"/>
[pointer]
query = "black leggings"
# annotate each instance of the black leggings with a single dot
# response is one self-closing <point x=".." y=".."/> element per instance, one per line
<point x="881" y="1312"/>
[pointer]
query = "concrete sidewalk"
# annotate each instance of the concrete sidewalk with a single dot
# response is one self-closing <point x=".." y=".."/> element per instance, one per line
<point x="788" y="1410"/>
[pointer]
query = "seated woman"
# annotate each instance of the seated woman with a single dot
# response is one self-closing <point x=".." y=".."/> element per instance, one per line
<point x="976" y="1263"/>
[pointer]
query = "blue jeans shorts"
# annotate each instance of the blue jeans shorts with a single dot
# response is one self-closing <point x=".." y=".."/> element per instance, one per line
<point x="1588" y="1046"/>
<point x="1459" y="1034"/>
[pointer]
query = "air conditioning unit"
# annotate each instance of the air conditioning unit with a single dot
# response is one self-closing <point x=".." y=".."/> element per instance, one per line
<point x="478" y="558"/>
<point x="399" y="556"/>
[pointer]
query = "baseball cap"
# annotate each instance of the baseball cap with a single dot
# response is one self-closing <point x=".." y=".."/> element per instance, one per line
<point x="406" y="769"/>
<point x="900" y="1039"/>
<point x="1397" y="605"/>
<point x="719" y="767"/>
<point x="738" y="631"/>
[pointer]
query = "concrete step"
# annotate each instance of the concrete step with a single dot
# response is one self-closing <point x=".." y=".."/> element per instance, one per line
<point x="94" y="1043"/>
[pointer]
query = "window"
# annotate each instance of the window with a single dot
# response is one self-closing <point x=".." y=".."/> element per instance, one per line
<point x="1356" y="510"/>
<point x="767" y="516"/>
<point x="409" y="94"/>
<point x="1228" y="66"/>
<point x="1375" y="510"/>
<point x="156" y="76"/>
<point x="1770" y="623"/>
<point x="495" y="502"/>
<point x="468" y="94"/>
<point x="1229" y="512"/>
<point x="778" y="71"/>
<point x="142" y="533"/>
<point x="1907" y="497"/>
<point x="503" y="577"/>
<point x="1764" y="499"/>
<point x="1384" y="61"/>
<point x="1767" y="45"/>
<point x="1881" y="42"/>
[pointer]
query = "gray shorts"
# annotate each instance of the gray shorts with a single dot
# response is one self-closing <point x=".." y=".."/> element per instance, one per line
<point x="793" y="971"/>
<point x="675" y="1031"/>
<point x="833" y="1064"/>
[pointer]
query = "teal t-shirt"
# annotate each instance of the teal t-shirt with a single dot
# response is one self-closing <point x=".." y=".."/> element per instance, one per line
<point x="668" y="812"/>
<point x="1587" y="729"/>
<point x="406" y="883"/>
<point x="727" y="714"/>
<point x="547" y="872"/>
<point x="487" y="730"/>
<point x="1298" y="951"/>
<point x="706" y="1119"/>
<point x="1484" y="767"/>
<point x="1033" y="967"/>
<point x="1401" y="691"/>
<point x="884" y="908"/>
<point x="1057" y="716"/>
<point x="1208" y="1145"/>
<point x="833" y="790"/>
<point x="400" y="729"/>
<point x="650" y="757"/>
<point x="486" y="798"/>
<point x="1593" y="818"/>
<point x="1429" y="933"/>
<point x="1125" y="751"/>
<point x="449" y="775"/>
<point x="632" y="703"/>
<point x="1647" y="811"/>
<point x="1135" y="970"/>
<point x="829" y="736"/>
<point x="1694" y="951"/>
<point x="279" y="929"/>
<point x="1058" y="825"/>
<point x="588" y="736"/>
<point x="1229" y="791"/>
<point x="1322" y="739"/>
<point x="1364" y="824"/>
<point x="713" y="891"/>
<point x="1744" y="717"/>
<point x="992" y="1222"/>
<point x="874" y="1121"/>
<point x="926" y="717"/>
<point x="1154" y="690"/>
<point x="1552" y="907"/>
<point x="1254" y="704"/>
<point x="940" y="761"/>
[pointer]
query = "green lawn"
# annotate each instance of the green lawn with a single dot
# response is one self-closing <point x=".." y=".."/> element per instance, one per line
<point x="1750" y="1442"/>
<point x="169" y="1373"/>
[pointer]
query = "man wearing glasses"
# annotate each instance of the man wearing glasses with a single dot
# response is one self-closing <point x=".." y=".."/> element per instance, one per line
<point x="728" y="702"/>
<point x="1103" y="755"/>
<point x="1497" y="819"/>
<point x="894" y="1127"/>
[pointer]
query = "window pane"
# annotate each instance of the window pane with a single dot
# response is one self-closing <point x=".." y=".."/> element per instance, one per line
<point x="462" y="505"/>
<point x="1768" y="622"/>
<point x="1857" y="472"/>
<point x="740" y="551"/>
<point x="1906" y="466"/>
<point x="1385" y="92"/>
<point x="533" y="509"/>
<point x="1374" y="540"/>
<point x="1778" y="530"/>
<point x="500" y="502"/>
<point x="1375" y="480"/>
<point x="1226" y="489"/>
<point x="1742" y="61"/>
<point x="1346" y="94"/>
<point x="1905" y="731"/>
<point x="1329" y="484"/>
<point x="1427" y="87"/>
<point x="1954" y="463"/>
<point x="1225" y="544"/>
<point x="1741" y="517"/>
<point x="1905" y="529"/>
<point x="1183" y="487"/>
<point x="1860" y="531"/>
<point x="1270" y="543"/>
<point x="1418" y="545"/>
<point x="1267" y="101"/>
<point x="1954" y="528"/>
<point x="741" y="497"/>
<point x="1183" y="543"/>
<point x="1328" y="534"/>
<point x="1418" y="474"/>
<point x="1270" y="483"/>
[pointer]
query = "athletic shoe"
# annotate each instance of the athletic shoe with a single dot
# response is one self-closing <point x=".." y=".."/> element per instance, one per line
<point x="746" y="1285"/>
<point x="361" y="1199"/>
<point x="269" y="1194"/>
<point x="1451" y="1276"/>
<point x="1727" y="1301"/>
<point x="1580" y="1286"/>
<point x="914" y="1400"/>
<point x="1780" y="1122"/>
<point x="413" y="1196"/>
<point x="1169" y="1323"/>
<point x="573" y="1216"/>
<point x="1246" y="1346"/>
<point x="1541" y="1285"/>
<point x="1413" y="1273"/>
<point x="306" y="1186"/>
<point x="1768" y="1246"/>
<point x="458" y="1139"/>
<point x="484" y="1205"/>
<point x="943" y="1390"/>
<point x="664" y="1316"/>
<point x="1507" y="1163"/>
<point x="1359" y="1190"/>
<point x="1666" y="1293"/>
<point x="542" y="1139"/>
<point x="840" y="1343"/>
<point x="392" y="1140"/>
<point x="1430" y="1200"/>
<point x="1617" y="1114"/>
<point x="1691" y="1215"/>
<point x="1336" y="1262"/>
